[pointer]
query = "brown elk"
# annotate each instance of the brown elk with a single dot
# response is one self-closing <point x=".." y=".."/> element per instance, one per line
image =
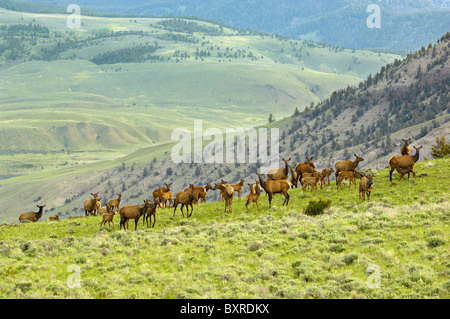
<point x="255" y="192"/>
<point x="275" y="187"/>
<point x="90" y="205"/>
<point x="294" y="177"/>
<point x="310" y="181"/>
<point x="108" y="217"/>
<point x="406" y="148"/>
<point x="166" y="197"/>
<point x="202" y="193"/>
<point x="347" y="175"/>
<point x="158" y="191"/>
<point x="365" y="186"/>
<point x="238" y="188"/>
<point x="306" y="167"/>
<point x="326" y="172"/>
<point x="54" y="218"/>
<point x="279" y="173"/>
<point x="227" y="194"/>
<point x="224" y="183"/>
<point x="32" y="216"/>
<point x="115" y="202"/>
<point x="151" y="211"/>
<point x="132" y="212"/>
<point x="405" y="162"/>
<point x="185" y="198"/>
<point x="320" y="176"/>
<point x="341" y="166"/>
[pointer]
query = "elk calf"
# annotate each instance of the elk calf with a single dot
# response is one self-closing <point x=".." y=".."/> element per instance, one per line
<point x="365" y="186"/>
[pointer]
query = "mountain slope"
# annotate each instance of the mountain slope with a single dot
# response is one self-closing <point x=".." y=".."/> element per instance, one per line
<point x="119" y="84"/>
<point x="330" y="131"/>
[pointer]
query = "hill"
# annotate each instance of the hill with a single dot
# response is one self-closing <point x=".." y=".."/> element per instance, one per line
<point x="395" y="246"/>
<point x="417" y="107"/>
<point x="408" y="98"/>
<point x="118" y="84"/>
<point x="405" y="25"/>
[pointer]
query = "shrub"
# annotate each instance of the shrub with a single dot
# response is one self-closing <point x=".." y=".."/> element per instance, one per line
<point x="317" y="207"/>
<point x="435" y="241"/>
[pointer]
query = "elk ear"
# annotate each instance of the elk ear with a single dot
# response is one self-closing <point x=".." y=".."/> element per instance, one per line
<point x="355" y="155"/>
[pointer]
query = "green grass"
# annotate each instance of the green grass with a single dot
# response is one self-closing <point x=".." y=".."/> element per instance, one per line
<point x="276" y="253"/>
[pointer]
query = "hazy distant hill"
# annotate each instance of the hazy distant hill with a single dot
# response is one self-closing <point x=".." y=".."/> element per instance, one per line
<point x="405" y="25"/>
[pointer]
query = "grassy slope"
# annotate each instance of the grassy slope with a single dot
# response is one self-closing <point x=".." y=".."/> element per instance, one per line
<point x="137" y="104"/>
<point x="278" y="253"/>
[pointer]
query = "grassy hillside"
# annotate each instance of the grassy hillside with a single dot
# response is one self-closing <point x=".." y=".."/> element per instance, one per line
<point x="405" y="25"/>
<point x="56" y="100"/>
<point x="277" y="253"/>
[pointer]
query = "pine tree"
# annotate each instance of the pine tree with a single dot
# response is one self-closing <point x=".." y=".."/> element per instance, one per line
<point x="441" y="149"/>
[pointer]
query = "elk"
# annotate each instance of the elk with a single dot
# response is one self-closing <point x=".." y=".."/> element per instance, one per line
<point x="108" y="217"/>
<point x="238" y="188"/>
<point x="405" y="162"/>
<point x="224" y="183"/>
<point x="365" y="186"/>
<point x="101" y="210"/>
<point x="294" y="177"/>
<point x="403" y="171"/>
<point x="32" y="216"/>
<point x="406" y="148"/>
<point x="115" y="202"/>
<point x="347" y="175"/>
<point x="132" y="212"/>
<point x="255" y="187"/>
<point x="90" y="205"/>
<point x="306" y="167"/>
<point x="341" y="166"/>
<point x="158" y="191"/>
<point x="310" y="181"/>
<point x="151" y="211"/>
<point x="54" y="218"/>
<point x="327" y="173"/>
<point x="255" y="192"/>
<point x="167" y="196"/>
<point x="279" y="173"/>
<point x="320" y="177"/>
<point x="275" y="187"/>
<point x="202" y="193"/>
<point x="227" y="194"/>
<point x="185" y="198"/>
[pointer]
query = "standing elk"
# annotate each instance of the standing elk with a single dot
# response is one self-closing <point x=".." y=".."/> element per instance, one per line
<point x="404" y="162"/>
<point x="115" y="202"/>
<point x="227" y="194"/>
<point x="365" y="187"/>
<point x="185" y="198"/>
<point x="275" y="187"/>
<point x="306" y="167"/>
<point x="279" y="173"/>
<point x="238" y="188"/>
<point x="406" y="148"/>
<point x="341" y="166"/>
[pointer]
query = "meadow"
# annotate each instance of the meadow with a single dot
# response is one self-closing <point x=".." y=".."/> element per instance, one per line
<point x="274" y="253"/>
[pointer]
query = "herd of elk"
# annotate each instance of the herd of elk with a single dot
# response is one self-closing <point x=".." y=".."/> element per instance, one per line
<point x="277" y="182"/>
